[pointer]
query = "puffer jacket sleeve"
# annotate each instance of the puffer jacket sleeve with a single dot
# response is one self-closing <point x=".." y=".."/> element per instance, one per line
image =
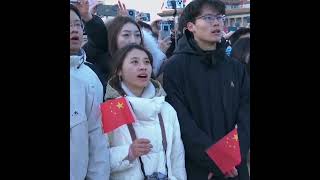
<point x="177" y="154"/>
<point x="99" y="166"/>
<point x="117" y="158"/>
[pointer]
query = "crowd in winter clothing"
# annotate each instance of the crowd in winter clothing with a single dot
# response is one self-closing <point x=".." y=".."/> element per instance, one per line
<point x="188" y="90"/>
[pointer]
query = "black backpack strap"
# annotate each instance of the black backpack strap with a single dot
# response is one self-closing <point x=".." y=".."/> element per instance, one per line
<point x="163" y="133"/>
<point x="164" y="139"/>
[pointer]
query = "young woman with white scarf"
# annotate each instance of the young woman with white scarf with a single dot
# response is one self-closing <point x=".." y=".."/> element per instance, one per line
<point x="146" y="155"/>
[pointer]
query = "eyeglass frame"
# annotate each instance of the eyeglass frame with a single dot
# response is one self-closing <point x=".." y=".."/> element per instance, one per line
<point x="215" y="17"/>
<point x="75" y="24"/>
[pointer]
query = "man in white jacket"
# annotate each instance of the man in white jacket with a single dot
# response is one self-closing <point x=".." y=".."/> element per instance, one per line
<point x="89" y="154"/>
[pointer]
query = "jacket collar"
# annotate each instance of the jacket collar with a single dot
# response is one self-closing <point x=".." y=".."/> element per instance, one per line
<point x="145" y="108"/>
<point x="77" y="60"/>
<point x="148" y="92"/>
<point x="187" y="45"/>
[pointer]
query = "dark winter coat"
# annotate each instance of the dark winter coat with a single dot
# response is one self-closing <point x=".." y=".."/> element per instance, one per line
<point x="211" y="94"/>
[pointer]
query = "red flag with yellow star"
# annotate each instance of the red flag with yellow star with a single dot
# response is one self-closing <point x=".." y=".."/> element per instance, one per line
<point x="115" y="113"/>
<point x="226" y="152"/>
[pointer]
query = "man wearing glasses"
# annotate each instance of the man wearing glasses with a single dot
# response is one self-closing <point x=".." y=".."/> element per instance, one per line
<point x="209" y="90"/>
<point x="89" y="153"/>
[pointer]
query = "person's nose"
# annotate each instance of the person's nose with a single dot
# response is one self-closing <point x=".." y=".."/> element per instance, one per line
<point x="215" y="22"/>
<point x="142" y="66"/>
<point x="132" y="39"/>
<point x="73" y="29"/>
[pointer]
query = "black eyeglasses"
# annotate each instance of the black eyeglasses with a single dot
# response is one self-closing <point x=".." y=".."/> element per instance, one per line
<point x="209" y="18"/>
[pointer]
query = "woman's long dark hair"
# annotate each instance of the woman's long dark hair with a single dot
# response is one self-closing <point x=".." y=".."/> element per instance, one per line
<point x="114" y="29"/>
<point x="119" y="58"/>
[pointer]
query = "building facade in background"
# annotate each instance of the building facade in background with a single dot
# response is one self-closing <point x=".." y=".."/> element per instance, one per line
<point x="237" y="14"/>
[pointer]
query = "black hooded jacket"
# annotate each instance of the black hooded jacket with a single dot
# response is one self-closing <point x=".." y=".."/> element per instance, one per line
<point x="211" y="94"/>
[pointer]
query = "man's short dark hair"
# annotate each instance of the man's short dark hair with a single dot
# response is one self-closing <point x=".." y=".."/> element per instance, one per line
<point x="194" y="9"/>
<point x="144" y="25"/>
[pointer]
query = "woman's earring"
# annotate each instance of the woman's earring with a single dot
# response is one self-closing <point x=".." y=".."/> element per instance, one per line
<point x="120" y="79"/>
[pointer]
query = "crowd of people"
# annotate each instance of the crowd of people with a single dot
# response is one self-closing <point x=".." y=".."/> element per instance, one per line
<point x="185" y="95"/>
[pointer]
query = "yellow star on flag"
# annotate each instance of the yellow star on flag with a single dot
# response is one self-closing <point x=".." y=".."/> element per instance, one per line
<point x="235" y="137"/>
<point x="120" y="105"/>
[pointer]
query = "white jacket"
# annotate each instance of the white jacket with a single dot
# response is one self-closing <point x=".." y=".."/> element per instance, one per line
<point x="146" y="109"/>
<point x="89" y="154"/>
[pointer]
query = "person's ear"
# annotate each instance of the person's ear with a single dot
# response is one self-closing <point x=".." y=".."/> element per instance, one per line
<point x="190" y="26"/>
<point x="119" y="73"/>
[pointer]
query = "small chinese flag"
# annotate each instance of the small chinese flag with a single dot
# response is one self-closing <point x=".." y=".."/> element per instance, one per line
<point x="226" y="152"/>
<point x="115" y="113"/>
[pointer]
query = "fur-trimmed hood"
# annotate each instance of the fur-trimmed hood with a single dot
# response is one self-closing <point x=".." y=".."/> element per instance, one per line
<point x="112" y="93"/>
<point x="151" y="44"/>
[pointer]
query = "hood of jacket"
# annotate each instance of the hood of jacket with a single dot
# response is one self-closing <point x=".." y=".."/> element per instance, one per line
<point x="187" y="45"/>
<point x="112" y="93"/>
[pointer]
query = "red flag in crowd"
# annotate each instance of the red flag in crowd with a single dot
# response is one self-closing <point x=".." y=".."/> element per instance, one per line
<point x="115" y="113"/>
<point x="226" y="152"/>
